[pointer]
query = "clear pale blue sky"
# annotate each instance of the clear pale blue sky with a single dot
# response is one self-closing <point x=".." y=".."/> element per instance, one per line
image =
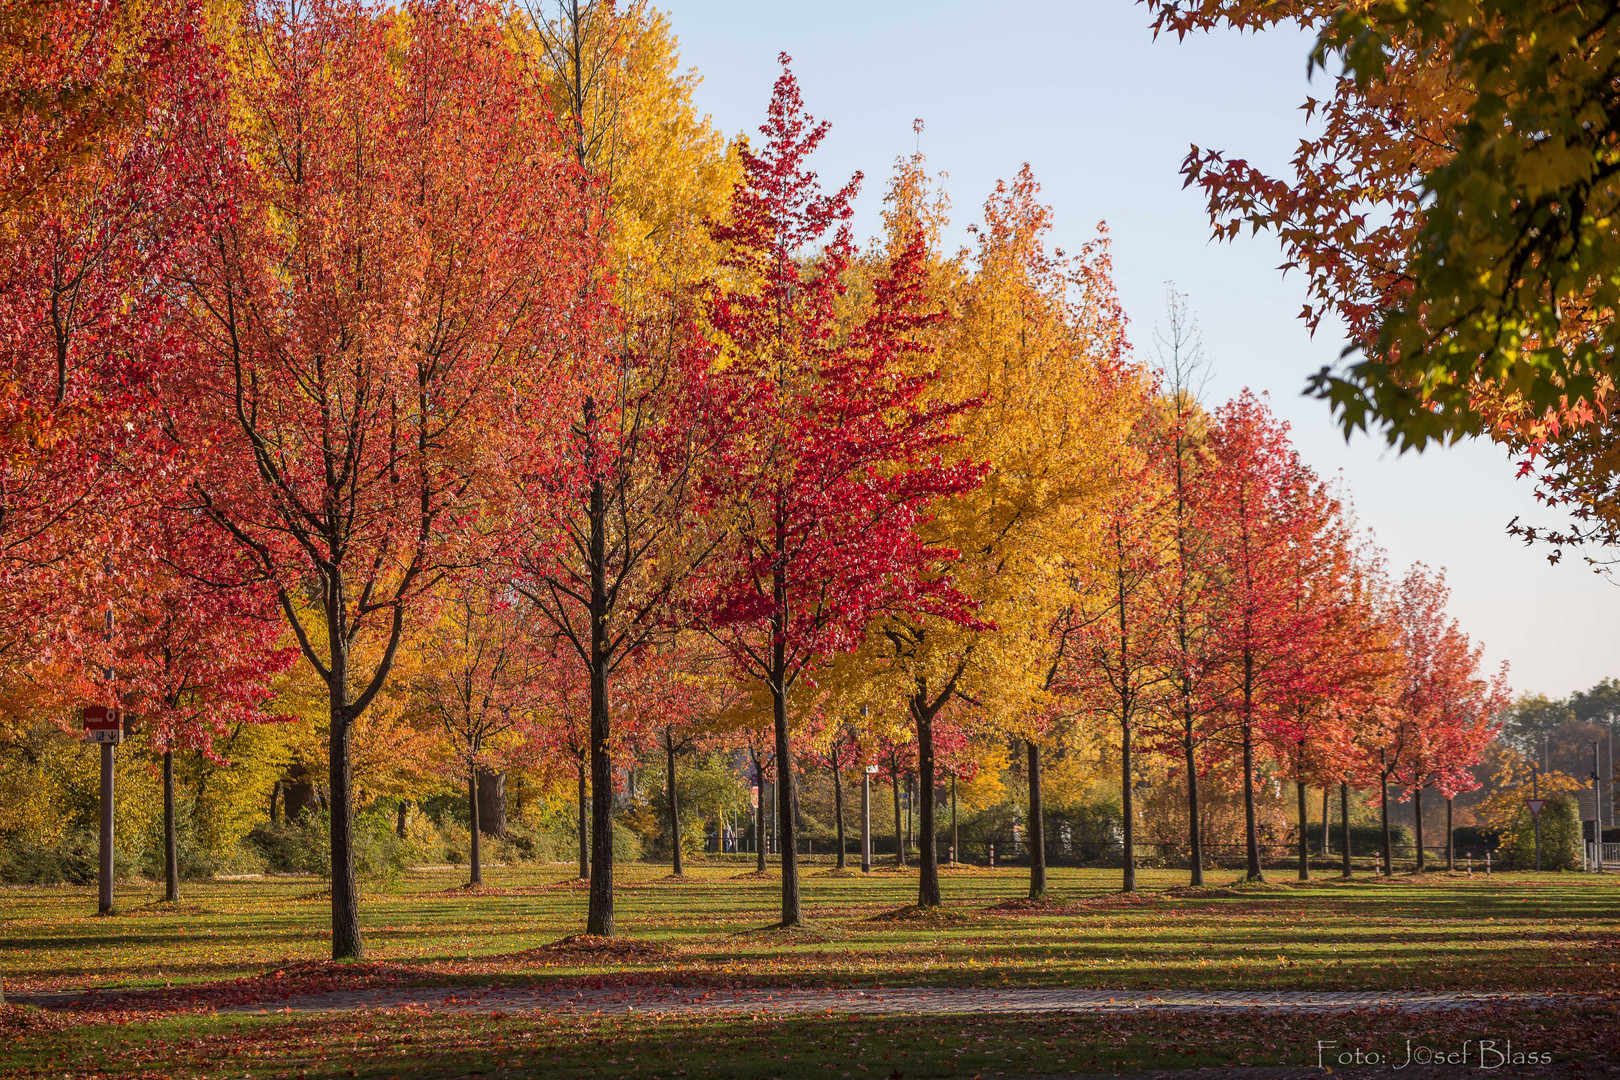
<point x="1105" y="114"/>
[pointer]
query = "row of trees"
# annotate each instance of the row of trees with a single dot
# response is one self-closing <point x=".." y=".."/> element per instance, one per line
<point x="338" y="336"/>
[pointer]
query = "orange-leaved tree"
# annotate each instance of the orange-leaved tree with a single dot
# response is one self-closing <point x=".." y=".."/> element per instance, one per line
<point x="375" y="327"/>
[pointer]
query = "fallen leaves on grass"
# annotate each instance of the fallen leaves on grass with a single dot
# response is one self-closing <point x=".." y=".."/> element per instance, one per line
<point x="912" y="913"/>
<point x="593" y="948"/>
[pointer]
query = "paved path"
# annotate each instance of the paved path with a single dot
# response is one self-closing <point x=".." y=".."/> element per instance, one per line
<point x="931" y="1000"/>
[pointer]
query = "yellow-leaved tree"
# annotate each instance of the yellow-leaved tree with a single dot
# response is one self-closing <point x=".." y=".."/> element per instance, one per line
<point x="1038" y="340"/>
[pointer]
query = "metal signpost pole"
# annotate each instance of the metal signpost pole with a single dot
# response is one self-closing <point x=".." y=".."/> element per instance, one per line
<point x="866" y="806"/>
<point x="866" y="818"/>
<point x="1535" y="811"/>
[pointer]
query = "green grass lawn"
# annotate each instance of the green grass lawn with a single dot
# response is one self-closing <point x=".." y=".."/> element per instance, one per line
<point x="1509" y="931"/>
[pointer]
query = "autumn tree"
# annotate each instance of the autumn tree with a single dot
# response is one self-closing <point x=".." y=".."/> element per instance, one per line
<point x="1188" y="576"/>
<point x="479" y="683"/>
<point x="617" y="535"/>
<point x="676" y="695"/>
<point x="1453" y="212"/>
<point x="1449" y="706"/>
<point x="373" y="327"/>
<point x="1267" y="512"/>
<point x="1305" y="736"/>
<point x="830" y="460"/>
<point x="103" y="178"/>
<point x="1113" y="667"/>
<point x="195" y="663"/>
<point x="1038" y="348"/>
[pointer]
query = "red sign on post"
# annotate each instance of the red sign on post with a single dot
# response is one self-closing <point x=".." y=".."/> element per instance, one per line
<point x="103" y="725"/>
<point x="1535" y="806"/>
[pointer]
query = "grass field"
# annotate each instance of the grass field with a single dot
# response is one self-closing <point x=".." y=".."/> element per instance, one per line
<point x="1509" y="931"/>
<point x="1556" y="932"/>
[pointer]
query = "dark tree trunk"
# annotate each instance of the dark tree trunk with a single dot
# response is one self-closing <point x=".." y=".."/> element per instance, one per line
<point x="899" y="825"/>
<point x="674" y="805"/>
<point x="584" y="829"/>
<point x="928" y="843"/>
<point x="1037" y="823"/>
<point x="1417" y="817"/>
<point x="1451" y="840"/>
<point x="1304" y="839"/>
<point x="1383" y="805"/>
<point x="297" y="797"/>
<point x="1127" y="790"/>
<point x="838" y="810"/>
<point x="786" y="796"/>
<point x="492" y="803"/>
<point x="171" y="856"/>
<point x="1324" y="821"/>
<point x="1344" y="823"/>
<point x="275" y="812"/>
<point x="1251" y="832"/>
<point x="599" y="915"/>
<point x="475" y="853"/>
<point x="956" y="840"/>
<point x="347" y="944"/>
<point x="1194" y="826"/>
<point x="1127" y="813"/>
<point x="399" y="820"/>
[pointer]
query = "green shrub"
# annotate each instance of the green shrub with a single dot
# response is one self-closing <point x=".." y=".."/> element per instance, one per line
<point x="1560" y="837"/>
<point x="73" y="859"/>
<point x="305" y="846"/>
<point x="1365" y="840"/>
<point x="626" y="844"/>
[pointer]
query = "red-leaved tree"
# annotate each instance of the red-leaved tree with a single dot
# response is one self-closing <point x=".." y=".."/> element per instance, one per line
<point x="375" y="327"/>
<point x="830" y="460"/>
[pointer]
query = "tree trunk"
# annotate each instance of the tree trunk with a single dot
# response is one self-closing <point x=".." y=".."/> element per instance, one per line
<point x="899" y="829"/>
<point x="838" y="811"/>
<point x="911" y="811"/>
<point x="475" y="854"/>
<point x="1417" y="817"/>
<point x="1251" y="832"/>
<point x="1037" y="821"/>
<point x="599" y="917"/>
<point x="297" y="796"/>
<point x="1304" y="840"/>
<point x="1344" y="823"/>
<point x="1324" y="821"/>
<point x="956" y="839"/>
<point x="275" y="792"/>
<point x="171" y="856"/>
<point x="674" y="806"/>
<point x="399" y="820"/>
<point x="1127" y="812"/>
<point x="1193" y="824"/>
<point x="584" y="829"/>
<point x="1383" y="805"/>
<point x="347" y="944"/>
<point x="492" y="803"/>
<point x="927" y="836"/>
<point x="1451" y="840"/>
<point x="786" y="796"/>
